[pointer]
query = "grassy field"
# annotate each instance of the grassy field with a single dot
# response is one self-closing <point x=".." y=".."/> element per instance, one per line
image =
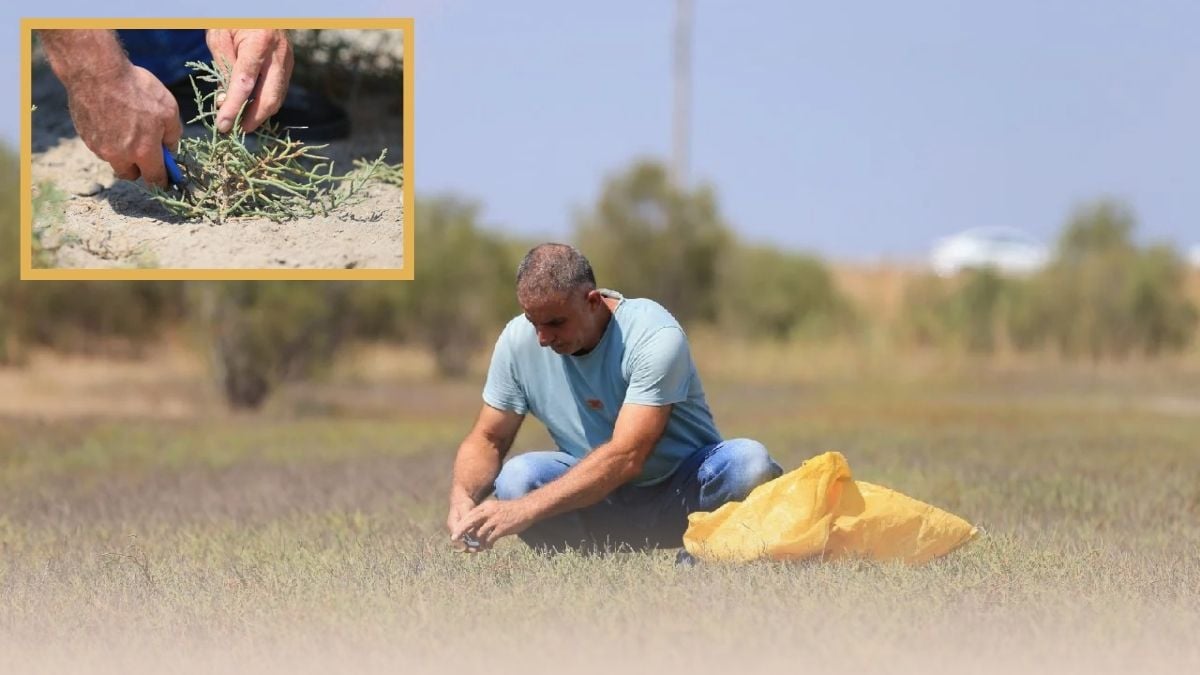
<point x="308" y="538"/>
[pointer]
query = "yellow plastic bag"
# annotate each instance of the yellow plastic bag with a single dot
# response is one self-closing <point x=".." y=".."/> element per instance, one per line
<point x="819" y="510"/>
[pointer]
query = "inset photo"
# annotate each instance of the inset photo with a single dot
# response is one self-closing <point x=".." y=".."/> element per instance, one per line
<point x="217" y="149"/>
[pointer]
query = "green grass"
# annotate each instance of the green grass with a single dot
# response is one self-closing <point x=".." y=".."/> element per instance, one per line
<point x="49" y="204"/>
<point x="317" y="542"/>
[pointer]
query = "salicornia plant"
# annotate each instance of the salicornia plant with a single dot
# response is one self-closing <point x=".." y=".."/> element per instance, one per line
<point x="273" y="177"/>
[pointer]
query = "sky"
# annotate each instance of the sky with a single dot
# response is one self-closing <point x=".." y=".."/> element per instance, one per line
<point x="859" y="131"/>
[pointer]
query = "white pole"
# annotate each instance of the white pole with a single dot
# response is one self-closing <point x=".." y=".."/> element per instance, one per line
<point x="683" y="92"/>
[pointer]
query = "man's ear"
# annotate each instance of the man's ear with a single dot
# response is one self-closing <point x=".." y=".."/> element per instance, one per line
<point x="594" y="298"/>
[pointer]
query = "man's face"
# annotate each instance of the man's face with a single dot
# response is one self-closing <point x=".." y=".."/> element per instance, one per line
<point x="565" y="322"/>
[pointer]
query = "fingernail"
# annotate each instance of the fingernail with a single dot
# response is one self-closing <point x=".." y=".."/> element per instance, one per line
<point x="224" y="125"/>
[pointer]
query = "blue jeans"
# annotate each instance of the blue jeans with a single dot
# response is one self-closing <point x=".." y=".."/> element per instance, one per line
<point x="164" y="52"/>
<point x="639" y="517"/>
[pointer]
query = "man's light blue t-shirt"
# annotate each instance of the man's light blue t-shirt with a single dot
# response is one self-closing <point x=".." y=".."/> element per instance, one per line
<point x="643" y="358"/>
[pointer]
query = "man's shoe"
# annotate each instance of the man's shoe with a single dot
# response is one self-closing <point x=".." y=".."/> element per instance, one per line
<point x="685" y="559"/>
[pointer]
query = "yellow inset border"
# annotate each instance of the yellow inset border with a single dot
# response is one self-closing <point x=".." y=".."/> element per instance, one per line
<point x="403" y="273"/>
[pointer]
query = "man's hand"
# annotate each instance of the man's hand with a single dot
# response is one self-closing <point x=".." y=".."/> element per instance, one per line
<point x="126" y="121"/>
<point x="475" y="469"/>
<point x="262" y="66"/>
<point x="460" y="505"/>
<point x="492" y="520"/>
<point x="122" y="113"/>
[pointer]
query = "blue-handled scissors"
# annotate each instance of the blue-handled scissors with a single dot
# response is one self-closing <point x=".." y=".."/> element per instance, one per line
<point x="173" y="172"/>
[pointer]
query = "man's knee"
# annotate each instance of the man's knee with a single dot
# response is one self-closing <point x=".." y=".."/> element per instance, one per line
<point x="517" y="478"/>
<point x="749" y="465"/>
<point x="525" y="473"/>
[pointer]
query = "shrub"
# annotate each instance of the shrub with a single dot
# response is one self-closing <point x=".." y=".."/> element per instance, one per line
<point x="1105" y="297"/>
<point x="264" y="333"/>
<point x="647" y="238"/>
<point x="463" y="293"/>
<point x="968" y="312"/>
<point x="767" y="292"/>
<point x="10" y="288"/>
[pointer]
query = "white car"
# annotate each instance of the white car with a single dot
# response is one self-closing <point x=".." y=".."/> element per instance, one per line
<point x="1006" y="249"/>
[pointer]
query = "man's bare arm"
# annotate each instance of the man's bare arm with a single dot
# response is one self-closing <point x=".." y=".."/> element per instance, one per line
<point x="609" y="466"/>
<point x="76" y="55"/>
<point x="478" y="461"/>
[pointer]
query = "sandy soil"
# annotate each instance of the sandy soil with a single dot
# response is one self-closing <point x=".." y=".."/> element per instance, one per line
<point x="105" y="222"/>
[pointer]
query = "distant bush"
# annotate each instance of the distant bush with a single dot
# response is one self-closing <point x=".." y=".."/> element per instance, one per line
<point x="264" y="333"/>
<point x="770" y="293"/>
<point x="1156" y="292"/>
<point x="1103" y="226"/>
<point x="969" y="312"/>
<point x="71" y="316"/>
<point x="464" y="291"/>
<point x="1103" y="296"/>
<point x="99" y="317"/>
<point x="11" y="328"/>
<point x="647" y="238"/>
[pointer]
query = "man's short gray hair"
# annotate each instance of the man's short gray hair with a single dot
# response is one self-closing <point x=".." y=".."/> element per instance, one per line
<point x="551" y="269"/>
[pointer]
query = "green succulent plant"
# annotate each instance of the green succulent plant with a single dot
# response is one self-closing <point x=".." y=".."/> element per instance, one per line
<point x="264" y="174"/>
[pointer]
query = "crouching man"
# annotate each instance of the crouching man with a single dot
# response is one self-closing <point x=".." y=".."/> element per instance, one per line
<point x="613" y="381"/>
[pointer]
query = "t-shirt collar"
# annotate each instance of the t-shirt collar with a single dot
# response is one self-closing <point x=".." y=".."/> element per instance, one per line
<point x="610" y="293"/>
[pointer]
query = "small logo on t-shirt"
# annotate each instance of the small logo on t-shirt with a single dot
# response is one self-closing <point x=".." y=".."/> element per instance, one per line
<point x="595" y="404"/>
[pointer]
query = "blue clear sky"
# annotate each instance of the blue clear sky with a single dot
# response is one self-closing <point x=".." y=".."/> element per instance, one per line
<point x="855" y="130"/>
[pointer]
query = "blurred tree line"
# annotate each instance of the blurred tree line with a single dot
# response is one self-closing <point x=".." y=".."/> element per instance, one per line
<point x="1102" y="296"/>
